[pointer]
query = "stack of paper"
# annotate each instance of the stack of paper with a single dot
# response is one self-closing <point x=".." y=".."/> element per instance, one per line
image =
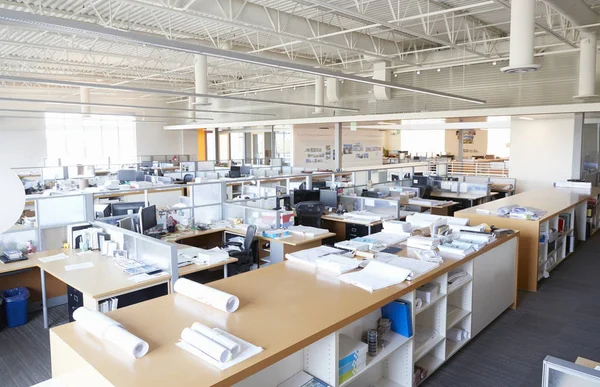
<point x="457" y="248"/>
<point x="388" y="238"/>
<point x="457" y="228"/>
<point x="307" y="231"/>
<point x="477" y="239"/>
<point x="397" y="226"/>
<point x="417" y="267"/>
<point x="109" y="305"/>
<point x="421" y="242"/>
<point x="338" y="264"/>
<point x="303" y="379"/>
<point x="377" y="275"/>
<point x="310" y="256"/>
<point x="352" y="245"/>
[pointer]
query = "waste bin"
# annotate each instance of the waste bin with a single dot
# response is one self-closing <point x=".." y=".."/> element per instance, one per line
<point x="1" y="313"/>
<point x="15" y="303"/>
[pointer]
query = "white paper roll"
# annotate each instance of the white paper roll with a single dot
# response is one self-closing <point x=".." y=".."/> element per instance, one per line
<point x="126" y="341"/>
<point x="213" y="297"/>
<point x="456" y="334"/>
<point x="231" y="345"/>
<point x="93" y="321"/>
<point x="418" y="303"/>
<point x="206" y="345"/>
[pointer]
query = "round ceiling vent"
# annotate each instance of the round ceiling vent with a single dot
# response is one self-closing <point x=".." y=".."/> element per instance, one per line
<point x="520" y="69"/>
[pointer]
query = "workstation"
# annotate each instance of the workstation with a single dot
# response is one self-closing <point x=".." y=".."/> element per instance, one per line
<point x="299" y="193"/>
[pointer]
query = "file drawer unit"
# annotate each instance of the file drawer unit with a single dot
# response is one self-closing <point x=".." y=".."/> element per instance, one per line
<point x="300" y="327"/>
<point x="355" y="230"/>
<point x="542" y="246"/>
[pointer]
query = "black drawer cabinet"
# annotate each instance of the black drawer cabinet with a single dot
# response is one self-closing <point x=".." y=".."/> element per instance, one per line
<point x="354" y="230"/>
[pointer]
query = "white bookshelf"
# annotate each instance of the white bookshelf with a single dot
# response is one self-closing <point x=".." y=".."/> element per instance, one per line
<point x="394" y="365"/>
<point x="556" y="245"/>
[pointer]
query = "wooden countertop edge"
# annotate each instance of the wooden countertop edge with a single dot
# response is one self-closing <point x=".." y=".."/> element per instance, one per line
<point x="259" y="366"/>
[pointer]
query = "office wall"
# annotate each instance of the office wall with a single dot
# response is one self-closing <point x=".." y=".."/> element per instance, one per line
<point x="22" y="142"/>
<point x="392" y="140"/>
<point x="314" y="139"/>
<point x="152" y="139"/>
<point x="541" y="151"/>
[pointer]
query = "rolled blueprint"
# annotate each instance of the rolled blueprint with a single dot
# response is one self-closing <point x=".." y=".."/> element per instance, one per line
<point x="206" y="345"/>
<point x="126" y="341"/>
<point x="457" y="334"/>
<point x="418" y="303"/>
<point x="110" y="330"/>
<point x="213" y="297"/>
<point x="502" y="211"/>
<point x="218" y="338"/>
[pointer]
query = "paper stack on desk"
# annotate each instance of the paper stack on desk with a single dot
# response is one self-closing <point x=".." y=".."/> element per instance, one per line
<point x="338" y="264"/>
<point x="377" y="275"/>
<point x="397" y="226"/>
<point x="421" y="242"/>
<point x="352" y="245"/>
<point x="215" y="346"/>
<point x="309" y="256"/>
<point x="307" y="230"/>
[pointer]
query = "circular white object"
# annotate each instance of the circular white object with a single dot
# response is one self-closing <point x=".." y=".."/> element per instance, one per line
<point x="12" y="198"/>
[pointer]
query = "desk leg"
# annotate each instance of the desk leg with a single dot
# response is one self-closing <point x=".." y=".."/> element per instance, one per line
<point x="44" y="300"/>
<point x="225" y="271"/>
<point x="369" y="229"/>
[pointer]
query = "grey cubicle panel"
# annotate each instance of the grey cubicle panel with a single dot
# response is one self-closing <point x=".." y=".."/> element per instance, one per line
<point x="561" y="373"/>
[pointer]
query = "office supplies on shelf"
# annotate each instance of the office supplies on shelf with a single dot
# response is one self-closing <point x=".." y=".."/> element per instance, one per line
<point x="247" y="350"/>
<point x="338" y="264"/>
<point x="213" y="297"/>
<point x="457" y="278"/>
<point x="55" y="257"/>
<point x="79" y="266"/>
<point x="377" y="275"/>
<point x="352" y="355"/>
<point x="418" y="303"/>
<point x="211" y="348"/>
<point x="457" y="334"/>
<point x="399" y="313"/>
<point x="110" y="330"/>
<point x="303" y="379"/>
<point x="421" y="242"/>
<point x="428" y="291"/>
<point x="310" y="255"/>
<point x="423" y="335"/>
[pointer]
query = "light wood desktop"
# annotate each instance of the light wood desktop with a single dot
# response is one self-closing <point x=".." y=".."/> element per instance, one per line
<point x="474" y="199"/>
<point x="587" y="363"/>
<point x="283" y="308"/>
<point x="552" y="200"/>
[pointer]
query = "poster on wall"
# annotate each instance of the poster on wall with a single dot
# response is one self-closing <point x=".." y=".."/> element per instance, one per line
<point x="327" y="152"/>
<point x="357" y="147"/>
<point x="347" y="149"/>
<point x="468" y="139"/>
<point x="314" y="155"/>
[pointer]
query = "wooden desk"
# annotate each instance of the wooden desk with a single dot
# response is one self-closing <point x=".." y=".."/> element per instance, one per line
<point x="553" y="200"/>
<point x="472" y="198"/>
<point x="283" y="308"/>
<point x="338" y="225"/>
<point x="195" y="268"/>
<point x="587" y="363"/>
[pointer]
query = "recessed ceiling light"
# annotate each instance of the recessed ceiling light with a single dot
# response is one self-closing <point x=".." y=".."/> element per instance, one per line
<point x="526" y="118"/>
<point x="494" y="63"/>
<point x="439" y="70"/>
<point x="396" y="75"/>
<point x="418" y="72"/>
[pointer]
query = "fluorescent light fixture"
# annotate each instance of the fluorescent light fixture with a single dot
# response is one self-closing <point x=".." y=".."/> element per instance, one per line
<point x="526" y="118"/>
<point x="386" y="123"/>
<point x="108" y="105"/>
<point x="44" y="81"/>
<point x="43" y="118"/>
<point x="138" y="116"/>
<point x="70" y="26"/>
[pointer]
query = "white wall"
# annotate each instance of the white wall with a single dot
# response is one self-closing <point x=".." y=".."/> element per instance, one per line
<point x="393" y="140"/>
<point x="304" y="138"/>
<point x="152" y="139"/>
<point x="541" y="151"/>
<point x="22" y="142"/>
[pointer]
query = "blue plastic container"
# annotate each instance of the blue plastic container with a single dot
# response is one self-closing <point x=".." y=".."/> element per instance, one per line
<point x="15" y="303"/>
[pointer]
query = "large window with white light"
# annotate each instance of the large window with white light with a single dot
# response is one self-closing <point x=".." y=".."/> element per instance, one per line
<point x="93" y="139"/>
<point x="237" y="145"/>
<point x="422" y="140"/>
<point x="283" y="145"/>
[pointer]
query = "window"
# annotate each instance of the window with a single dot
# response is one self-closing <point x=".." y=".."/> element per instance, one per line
<point x="237" y="146"/>
<point x="94" y="139"/>
<point x="499" y="142"/>
<point x="224" y="146"/>
<point x="210" y="146"/>
<point x="283" y="145"/>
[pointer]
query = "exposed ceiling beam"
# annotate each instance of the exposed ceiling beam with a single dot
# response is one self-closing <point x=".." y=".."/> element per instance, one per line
<point x="44" y="81"/>
<point x="87" y="29"/>
<point x="108" y="105"/>
<point x="98" y="114"/>
<point x="506" y="4"/>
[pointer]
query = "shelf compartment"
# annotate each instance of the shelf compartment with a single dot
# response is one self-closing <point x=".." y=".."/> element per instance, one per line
<point x="394" y="341"/>
<point x="450" y="291"/>
<point x="429" y="304"/>
<point x="455" y="317"/>
<point x="383" y="382"/>
<point x="454" y="346"/>
<point x="427" y="346"/>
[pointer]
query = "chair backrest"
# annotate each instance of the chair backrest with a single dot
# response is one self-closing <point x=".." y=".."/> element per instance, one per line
<point x="188" y="178"/>
<point x="249" y="238"/>
<point x="309" y="213"/>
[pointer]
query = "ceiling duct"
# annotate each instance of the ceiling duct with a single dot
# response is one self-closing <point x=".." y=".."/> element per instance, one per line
<point x="522" y="29"/>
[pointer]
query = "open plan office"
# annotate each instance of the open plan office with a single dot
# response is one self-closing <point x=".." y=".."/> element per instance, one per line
<point x="299" y="193"/>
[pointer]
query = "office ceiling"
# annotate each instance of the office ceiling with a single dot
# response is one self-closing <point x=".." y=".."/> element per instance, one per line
<point x="341" y="35"/>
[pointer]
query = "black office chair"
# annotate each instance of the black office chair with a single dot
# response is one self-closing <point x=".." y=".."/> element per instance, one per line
<point x="244" y="252"/>
<point x="309" y="213"/>
<point x="188" y="178"/>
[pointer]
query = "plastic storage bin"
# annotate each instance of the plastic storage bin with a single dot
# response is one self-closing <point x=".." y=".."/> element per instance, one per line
<point x="15" y="303"/>
<point x="1" y="313"/>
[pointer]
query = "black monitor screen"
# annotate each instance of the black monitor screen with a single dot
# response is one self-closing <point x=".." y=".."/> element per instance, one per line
<point x="329" y="198"/>
<point x="148" y="218"/>
<point x="420" y="180"/>
<point x="118" y="209"/>
<point x="395" y="177"/>
<point x="302" y="195"/>
<point x="235" y="172"/>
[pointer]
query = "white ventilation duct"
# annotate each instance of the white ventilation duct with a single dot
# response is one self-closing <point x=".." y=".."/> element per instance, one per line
<point x="333" y="90"/>
<point x="382" y="72"/>
<point x="319" y="93"/>
<point x="587" y="65"/>
<point x="84" y="97"/>
<point x="201" y="78"/>
<point x="522" y="28"/>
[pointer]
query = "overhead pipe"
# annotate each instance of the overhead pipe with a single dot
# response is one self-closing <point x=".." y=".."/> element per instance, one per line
<point x="587" y="65"/>
<point x="201" y="78"/>
<point x="522" y="29"/>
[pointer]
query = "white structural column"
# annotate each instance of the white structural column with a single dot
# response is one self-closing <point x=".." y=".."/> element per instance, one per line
<point x="84" y="97"/>
<point x="461" y="134"/>
<point x="216" y="144"/>
<point x="319" y="93"/>
<point x="337" y="146"/>
<point x="201" y="78"/>
<point x="191" y="114"/>
<point x="587" y="65"/>
<point x="333" y="90"/>
<point x="522" y="28"/>
<point x="382" y="72"/>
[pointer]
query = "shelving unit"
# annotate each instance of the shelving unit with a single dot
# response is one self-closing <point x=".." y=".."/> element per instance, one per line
<point x="555" y="234"/>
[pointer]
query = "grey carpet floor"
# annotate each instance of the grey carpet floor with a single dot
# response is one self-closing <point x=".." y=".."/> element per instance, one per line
<point x="561" y="320"/>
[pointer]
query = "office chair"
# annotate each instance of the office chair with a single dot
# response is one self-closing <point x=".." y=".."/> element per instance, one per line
<point x="188" y="178"/>
<point x="309" y="213"/>
<point x="242" y="251"/>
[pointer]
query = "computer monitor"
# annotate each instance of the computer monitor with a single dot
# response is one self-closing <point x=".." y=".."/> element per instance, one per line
<point x="140" y="176"/>
<point x="328" y="197"/>
<point x="147" y="218"/>
<point x="395" y="177"/>
<point x="303" y="195"/>
<point x="319" y="184"/>
<point x="122" y="208"/>
<point x="126" y="223"/>
<point x="420" y="180"/>
<point x="369" y="194"/>
<point x="245" y="170"/>
<point x="235" y="171"/>
<point x="126" y="175"/>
